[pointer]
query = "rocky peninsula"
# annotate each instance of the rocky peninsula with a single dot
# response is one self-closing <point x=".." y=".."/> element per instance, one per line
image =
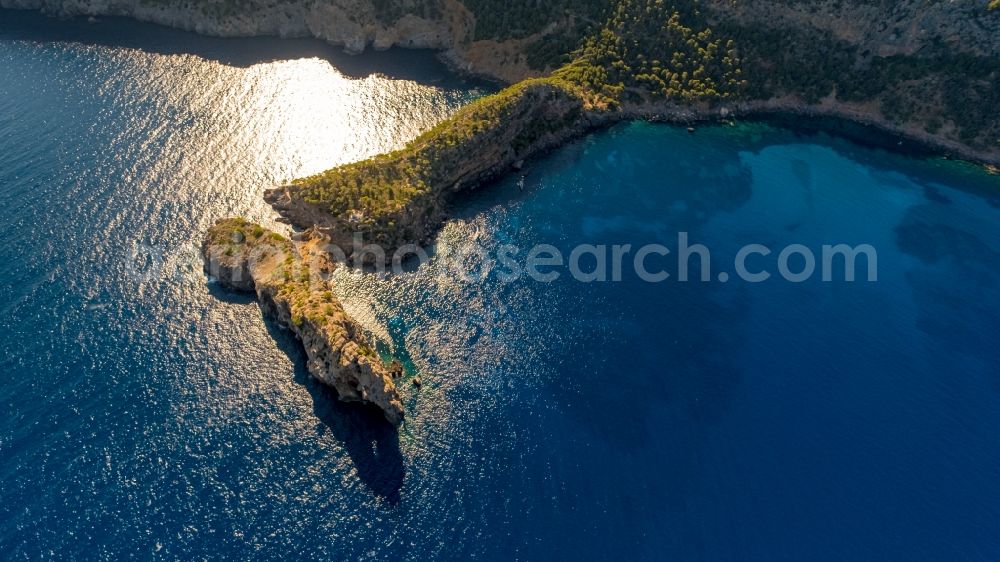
<point x="618" y="74"/>
<point x="289" y="279"/>
<point x="925" y="70"/>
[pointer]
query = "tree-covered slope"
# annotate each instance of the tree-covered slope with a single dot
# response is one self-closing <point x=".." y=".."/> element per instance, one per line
<point x="924" y="67"/>
<point x="647" y="53"/>
<point x="645" y="50"/>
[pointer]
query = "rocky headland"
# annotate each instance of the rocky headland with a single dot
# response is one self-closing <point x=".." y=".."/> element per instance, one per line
<point x="927" y="70"/>
<point x="290" y="280"/>
<point x="935" y="98"/>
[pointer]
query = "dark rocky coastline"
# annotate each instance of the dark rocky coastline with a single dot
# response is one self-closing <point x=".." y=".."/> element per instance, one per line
<point x="290" y="282"/>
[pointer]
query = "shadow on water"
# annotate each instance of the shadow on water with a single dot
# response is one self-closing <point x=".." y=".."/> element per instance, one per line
<point x="396" y="63"/>
<point x="370" y="440"/>
<point x="230" y="297"/>
<point x="881" y="151"/>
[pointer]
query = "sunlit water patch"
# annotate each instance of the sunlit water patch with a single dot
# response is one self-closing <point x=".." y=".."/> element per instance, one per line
<point x="146" y="407"/>
<point x="149" y="412"/>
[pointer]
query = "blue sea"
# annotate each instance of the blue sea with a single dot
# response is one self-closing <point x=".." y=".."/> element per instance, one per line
<point x="150" y="414"/>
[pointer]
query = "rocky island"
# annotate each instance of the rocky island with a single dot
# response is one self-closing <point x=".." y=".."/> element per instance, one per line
<point x="925" y="70"/>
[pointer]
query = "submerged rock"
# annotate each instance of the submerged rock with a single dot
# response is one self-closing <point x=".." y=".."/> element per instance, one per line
<point x="291" y="289"/>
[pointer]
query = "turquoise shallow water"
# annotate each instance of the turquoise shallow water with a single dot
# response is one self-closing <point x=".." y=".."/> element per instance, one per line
<point x="151" y="413"/>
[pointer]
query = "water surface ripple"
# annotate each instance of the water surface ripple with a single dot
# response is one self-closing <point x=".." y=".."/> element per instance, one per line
<point x="152" y="414"/>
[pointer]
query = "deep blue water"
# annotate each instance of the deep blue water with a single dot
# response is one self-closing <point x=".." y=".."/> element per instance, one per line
<point x="150" y="413"/>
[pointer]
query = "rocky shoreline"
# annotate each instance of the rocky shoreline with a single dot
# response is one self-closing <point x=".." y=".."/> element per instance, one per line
<point x="538" y="116"/>
<point x="290" y="280"/>
<point x="420" y="219"/>
<point x="352" y="26"/>
<point x="839" y="111"/>
<point x="357" y="28"/>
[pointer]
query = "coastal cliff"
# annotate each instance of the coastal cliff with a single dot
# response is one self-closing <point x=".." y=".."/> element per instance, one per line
<point x="444" y="25"/>
<point x="401" y="197"/>
<point x="289" y="280"/>
<point x="352" y="25"/>
<point x="928" y="70"/>
<point x="680" y="62"/>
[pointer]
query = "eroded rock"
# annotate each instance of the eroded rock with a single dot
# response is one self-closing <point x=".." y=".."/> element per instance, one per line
<point x="291" y="288"/>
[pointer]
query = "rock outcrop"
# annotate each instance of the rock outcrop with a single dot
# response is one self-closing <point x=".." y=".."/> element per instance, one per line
<point x="352" y="24"/>
<point x="483" y="141"/>
<point x="291" y="285"/>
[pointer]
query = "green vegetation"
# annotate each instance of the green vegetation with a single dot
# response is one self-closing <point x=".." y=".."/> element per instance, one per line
<point x="623" y="54"/>
<point x="381" y="195"/>
<point x="935" y="86"/>
<point x="238" y="232"/>
<point x="517" y="19"/>
<point x="645" y="49"/>
<point x="278" y="268"/>
<point x="658" y="49"/>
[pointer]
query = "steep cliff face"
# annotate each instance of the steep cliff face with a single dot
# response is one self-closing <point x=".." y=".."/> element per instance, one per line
<point x="519" y="39"/>
<point x="404" y="194"/>
<point x="355" y="25"/>
<point x="291" y="289"/>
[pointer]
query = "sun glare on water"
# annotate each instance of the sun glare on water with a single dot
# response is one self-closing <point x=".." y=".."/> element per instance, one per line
<point x="310" y="117"/>
<point x="270" y="122"/>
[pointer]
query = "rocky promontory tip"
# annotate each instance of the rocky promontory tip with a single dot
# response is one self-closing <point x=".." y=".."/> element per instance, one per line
<point x="287" y="278"/>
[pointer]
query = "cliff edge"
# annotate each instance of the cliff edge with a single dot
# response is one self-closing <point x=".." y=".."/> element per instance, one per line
<point x="401" y="197"/>
<point x="680" y="61"/>
<point x="291" y="287"/>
